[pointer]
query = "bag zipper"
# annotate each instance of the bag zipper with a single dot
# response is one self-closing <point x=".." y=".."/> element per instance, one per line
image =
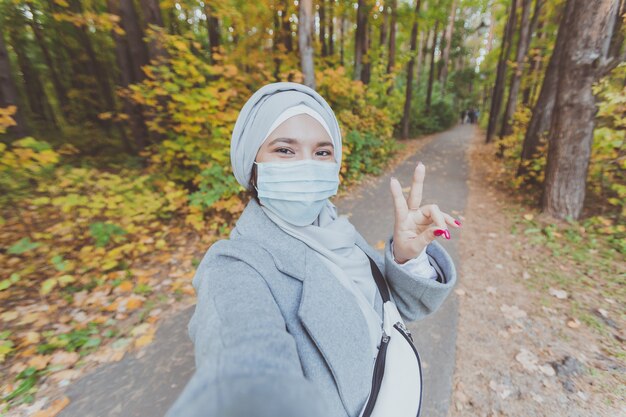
<point x="377" y="377"/>
<point x="407" y="335"/>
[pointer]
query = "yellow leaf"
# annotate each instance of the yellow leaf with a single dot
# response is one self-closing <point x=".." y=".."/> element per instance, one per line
<point x="47" y="286"/>
<point x="528" y="216"/>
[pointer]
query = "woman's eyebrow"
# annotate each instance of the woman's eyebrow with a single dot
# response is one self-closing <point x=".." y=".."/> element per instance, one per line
<point x="293" y="140"/>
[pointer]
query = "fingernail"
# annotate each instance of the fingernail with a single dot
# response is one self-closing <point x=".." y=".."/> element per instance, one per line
<point x="439" y="232"/>
<point x="447" y="234"/>
<point x="458" y="223"/>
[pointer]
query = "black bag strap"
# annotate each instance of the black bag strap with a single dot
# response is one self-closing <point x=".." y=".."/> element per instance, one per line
<point x="380" y="280"/>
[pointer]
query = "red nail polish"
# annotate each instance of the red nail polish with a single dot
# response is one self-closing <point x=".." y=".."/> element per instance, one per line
<point x="439" y="232"/>
<point x="458" y="223"/>
<point x="447" y="234"/>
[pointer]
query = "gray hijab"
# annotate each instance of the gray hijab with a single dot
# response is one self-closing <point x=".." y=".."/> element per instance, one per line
<point x="258" y="114"/>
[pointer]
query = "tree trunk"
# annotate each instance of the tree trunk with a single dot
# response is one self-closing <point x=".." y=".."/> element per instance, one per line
<point x="498" y="88"/>
<point x="59" y="88"/>
<point x="322" y="15"/>
<point x="367" y="58"/>
<point x="213" y="29"/>
<point x="136" y="121"/>
<point x="446" y="51"/>
<point x="391" y="62"/>
<point x="542" y="111"/>
<point x="342" y="32"/>
<point x="360" y="40"/>
<point x="152" y="16"/>
<point x="9" y="95"/>
<point x="536" y="66"/>
<point x="305" y="41"/>
<point x="431" y="74"/>
<point x="516" y="77"/>
<point x="589" y="28"/>
<point x="406" y="117"/>
<point x="331" y="28"/>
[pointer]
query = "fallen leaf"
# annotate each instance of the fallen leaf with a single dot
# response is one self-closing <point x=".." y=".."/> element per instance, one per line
<point x="54" y="409"/>
<point x="62" y="357"/>
<point x="512" y="312"/>
<point x="573" y="323"/>
<point x="501" y="389"/>
<point x="527" y="359"/>
<point x="9" y="315"/>
<point x="528" y="216"/>
<point x="560" y="294"/>
<point x="39" y="362"/>
<point x="547" y="370"/>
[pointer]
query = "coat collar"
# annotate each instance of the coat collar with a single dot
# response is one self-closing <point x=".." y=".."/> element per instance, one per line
<point x="327" y="310"/>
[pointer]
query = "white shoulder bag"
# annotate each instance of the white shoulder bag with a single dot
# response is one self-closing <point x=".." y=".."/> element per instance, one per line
<point x="397" y="378"/>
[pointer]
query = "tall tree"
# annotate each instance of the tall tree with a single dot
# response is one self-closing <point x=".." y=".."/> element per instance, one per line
<point x="431" y="74"/>
<point x="525" y="33"/>
<point x="542" y="111"/>
<point x="9" y="94"/>
<point x="590" y="48"/>
<point x="406" y="117"/>
<point x="322" y="15"/>
<point x="305" y="41"/>
<point x="446" y="50"/>
<point x="391" y="59"/>
<point x="498" y="88"/>
<point x="360" y="40"/>
<point x="129" y="73"/>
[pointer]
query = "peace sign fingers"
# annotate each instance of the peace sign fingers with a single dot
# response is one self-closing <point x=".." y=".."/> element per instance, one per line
<point x="415" y="196"/>
<point x="399" y="203"/>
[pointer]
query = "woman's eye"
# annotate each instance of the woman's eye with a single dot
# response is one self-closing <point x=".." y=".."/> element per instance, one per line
<point x="324" y="153"/>
<point x="283" y="149"/>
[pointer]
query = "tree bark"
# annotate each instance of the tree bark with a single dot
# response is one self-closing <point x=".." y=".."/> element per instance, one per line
<point x="305" y="41"/>
<point x="391" y="61"/>
<point x="59" y="88"/>
<point x="331" y="28"/>
<point x="498" y="88"/>
<point x="516" y="77"/>
<point x="446" y="51"/>
<point x="9" y="95"/>
<point x="406" y="117"/>
<point x="152" y="16"/>
<point x="589" y="28"/>
<point x="431" y="74"/>
<point x="360" y="40"/>
<point x="136" y="121"/>
<point x="542" y="111"/>
<point x="322" y="15"/>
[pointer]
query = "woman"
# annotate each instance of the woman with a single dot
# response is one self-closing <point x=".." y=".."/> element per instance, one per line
<point x="288" y="316"/>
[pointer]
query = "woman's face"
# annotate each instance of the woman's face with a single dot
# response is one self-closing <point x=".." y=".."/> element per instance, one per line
<point x="297" y="138"/>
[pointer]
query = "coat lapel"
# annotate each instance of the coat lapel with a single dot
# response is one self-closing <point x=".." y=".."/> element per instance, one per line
<point x="327" y="310"/>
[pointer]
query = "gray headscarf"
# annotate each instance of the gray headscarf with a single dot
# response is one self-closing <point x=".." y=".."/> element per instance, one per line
<point x="258" y="114"/>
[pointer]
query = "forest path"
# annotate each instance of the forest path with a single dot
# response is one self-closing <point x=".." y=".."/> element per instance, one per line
<point x="145" y="384"/>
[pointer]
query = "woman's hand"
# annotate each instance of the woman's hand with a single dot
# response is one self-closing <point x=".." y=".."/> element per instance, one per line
<point x="415" y="227"/>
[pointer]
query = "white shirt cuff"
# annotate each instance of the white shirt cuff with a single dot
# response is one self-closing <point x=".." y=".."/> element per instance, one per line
<point x="419" y="266"/>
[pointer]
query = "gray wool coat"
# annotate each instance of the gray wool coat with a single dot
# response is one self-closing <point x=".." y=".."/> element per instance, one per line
<point x="276" y="334"/>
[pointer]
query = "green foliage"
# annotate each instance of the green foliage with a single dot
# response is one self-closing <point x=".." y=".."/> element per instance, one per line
<point x="215" y="183"/>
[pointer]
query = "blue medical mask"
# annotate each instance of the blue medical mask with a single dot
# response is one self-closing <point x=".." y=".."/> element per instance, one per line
<point x="296" y="190"/>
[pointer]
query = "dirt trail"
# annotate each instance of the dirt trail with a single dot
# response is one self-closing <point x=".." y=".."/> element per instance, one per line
<point x="519" y="352"/>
